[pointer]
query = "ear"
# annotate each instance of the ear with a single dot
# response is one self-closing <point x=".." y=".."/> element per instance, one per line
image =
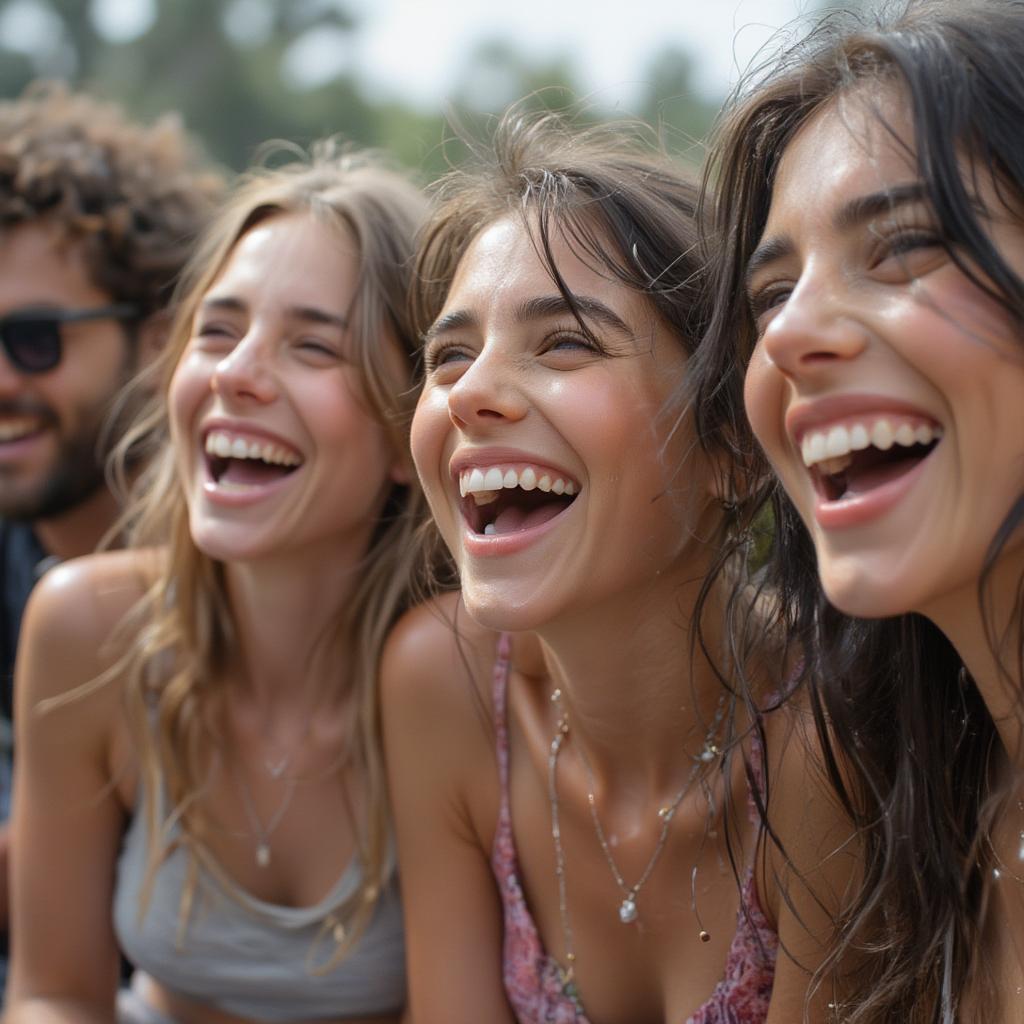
<point x="151" y="337"/>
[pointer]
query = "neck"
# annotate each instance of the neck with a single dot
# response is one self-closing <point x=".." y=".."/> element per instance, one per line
<point x="286" y="612"/>
<point x="989" y="643"/>
<point x="639" y="704"/>
<point x="78" y="530"/>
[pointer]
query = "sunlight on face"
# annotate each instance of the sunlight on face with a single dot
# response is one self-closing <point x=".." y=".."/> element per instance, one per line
<point x="885" y="386"/>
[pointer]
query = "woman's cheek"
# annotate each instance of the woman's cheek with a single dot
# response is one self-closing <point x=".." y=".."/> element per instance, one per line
<point x="762" y="397"/>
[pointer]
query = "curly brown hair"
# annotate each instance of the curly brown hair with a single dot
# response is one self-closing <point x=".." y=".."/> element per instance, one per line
<point x="133" y="196"/>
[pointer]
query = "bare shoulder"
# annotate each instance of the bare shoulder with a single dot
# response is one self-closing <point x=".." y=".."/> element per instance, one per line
<point x="438" y="725"/>
<point x="72" y="617"/>
<point x="437" y="660"/>
<point x="814" y="857"/>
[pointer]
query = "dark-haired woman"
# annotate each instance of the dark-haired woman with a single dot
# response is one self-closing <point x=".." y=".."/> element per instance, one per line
<point x="572" y="782"/>
<point x="875" y="280"/>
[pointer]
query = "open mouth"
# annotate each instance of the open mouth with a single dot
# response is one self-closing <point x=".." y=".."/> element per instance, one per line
<point x="852" y="459"/>
<point x="237" y="462"/>
<point x="17" y="428"/>
<point x="501" y="500"/>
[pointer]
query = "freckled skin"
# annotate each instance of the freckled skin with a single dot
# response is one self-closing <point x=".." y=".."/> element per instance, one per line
<point x="292" y="378"/>
<point x="878" y="308"/>
<point x="538" y="386"/>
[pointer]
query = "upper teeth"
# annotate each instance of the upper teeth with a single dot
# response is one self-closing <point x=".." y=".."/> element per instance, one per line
<point x="231" y="446"/>
<point x="13" y="429"/>
<point x="829" y="449"/>
<point x="484" y="484"/>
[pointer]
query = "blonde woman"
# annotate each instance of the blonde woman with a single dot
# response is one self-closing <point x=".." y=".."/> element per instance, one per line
<point x="200" y="781"/>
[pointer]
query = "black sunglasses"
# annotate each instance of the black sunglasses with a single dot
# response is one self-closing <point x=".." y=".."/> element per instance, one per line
<point x="31" y="338"/>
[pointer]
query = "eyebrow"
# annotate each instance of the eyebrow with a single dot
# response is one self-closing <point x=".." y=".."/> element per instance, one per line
<point x="541" y="308"/>
<point x="311" y="314"/>
<point x="852" y="213"/>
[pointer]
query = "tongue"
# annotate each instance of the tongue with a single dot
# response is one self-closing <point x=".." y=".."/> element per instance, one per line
<point x="250" y="472"/>
<point x="515" y="520"/>
<point x="860" y="481"/>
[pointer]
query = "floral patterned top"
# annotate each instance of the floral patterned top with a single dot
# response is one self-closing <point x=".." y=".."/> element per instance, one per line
<point x="534" y="982"/>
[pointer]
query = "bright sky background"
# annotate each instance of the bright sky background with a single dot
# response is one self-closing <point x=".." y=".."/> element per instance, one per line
<point x="414" y="48"/>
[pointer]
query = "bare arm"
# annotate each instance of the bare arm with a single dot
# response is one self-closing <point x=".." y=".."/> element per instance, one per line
<point x="443" y="780"/>
<point x="68" y="818"/>
<point x="808" y="880"/>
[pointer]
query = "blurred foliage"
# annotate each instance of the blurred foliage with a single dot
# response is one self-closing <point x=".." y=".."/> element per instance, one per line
<point x="229" y="67"/>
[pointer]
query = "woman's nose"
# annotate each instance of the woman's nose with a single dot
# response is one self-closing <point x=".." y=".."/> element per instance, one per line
<point x="812" y="330"/>
<point x="246" y="372"/>
<point x="488" y="393"/>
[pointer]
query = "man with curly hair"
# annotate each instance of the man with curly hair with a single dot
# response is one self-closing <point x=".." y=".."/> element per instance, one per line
<point x="97" y="216"/>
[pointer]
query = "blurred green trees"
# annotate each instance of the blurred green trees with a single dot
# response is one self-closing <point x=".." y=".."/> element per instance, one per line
<point x="229" y="67"/>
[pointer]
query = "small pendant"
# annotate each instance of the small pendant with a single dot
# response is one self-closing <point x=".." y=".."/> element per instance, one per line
<point x="627" y="910"/>
<point x="275" y="769"/>
<point x="263" y="855"/>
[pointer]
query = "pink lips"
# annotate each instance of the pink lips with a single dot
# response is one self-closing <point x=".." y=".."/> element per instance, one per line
<point x="860" y="508"/>
<point x="485" y="545"/>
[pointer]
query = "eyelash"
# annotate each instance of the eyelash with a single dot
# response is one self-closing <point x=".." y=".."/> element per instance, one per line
<point x="574" y="337"/>
<point x="433" y="356"/>
<point x="902" y="242"/>
<point x="898" y="243"/>
<point x="762" y="300"/>
<point x="320" y="347"/>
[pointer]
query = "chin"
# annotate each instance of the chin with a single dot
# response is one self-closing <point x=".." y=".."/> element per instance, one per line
<point x="220" y="544"/>
<point x="866" y="596"/>
<point x="502" y="610"/>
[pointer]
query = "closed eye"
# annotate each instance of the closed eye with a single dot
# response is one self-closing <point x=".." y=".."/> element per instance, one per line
<point x="444" y="353"/>
<point x="570" y="341"/>
<point x="317" y="348"/>
<point x="909" y="254"/>
<point x="762" y="300"/>
<point x="216" y="335"/>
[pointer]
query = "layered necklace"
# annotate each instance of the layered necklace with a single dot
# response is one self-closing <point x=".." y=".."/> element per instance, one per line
<point x="627" y="908"/>
<point x="261" y="832"/>
<point x="277" y="769"/>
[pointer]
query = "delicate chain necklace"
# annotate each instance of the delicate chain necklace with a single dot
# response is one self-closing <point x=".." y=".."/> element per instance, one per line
<point x="627" y="908"/>
<point x="259" y="830"/>
<point x="568" y="973"/>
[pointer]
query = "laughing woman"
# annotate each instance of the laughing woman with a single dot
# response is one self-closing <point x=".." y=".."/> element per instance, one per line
<point x="875" y="282"/>
<point x="209" y="694"/>
<point x="568" y="771"/>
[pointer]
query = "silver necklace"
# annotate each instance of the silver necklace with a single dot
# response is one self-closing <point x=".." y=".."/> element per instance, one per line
<point x="568" y="973"/>
<point x="627" y="908"/>
<point x="259" y="830"/>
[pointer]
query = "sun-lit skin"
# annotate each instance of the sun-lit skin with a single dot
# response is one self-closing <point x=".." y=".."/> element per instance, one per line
<point x="513" y="383"/>
<point x="270" y="365"/>
<point x="50" y="422"/>
<point x="862" y="316"/>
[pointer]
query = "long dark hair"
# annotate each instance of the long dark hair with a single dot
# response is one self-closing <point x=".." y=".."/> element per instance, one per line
<point x="907" y="740"/>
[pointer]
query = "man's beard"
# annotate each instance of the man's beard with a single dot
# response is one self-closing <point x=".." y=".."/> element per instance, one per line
<point x="74" y="475"/>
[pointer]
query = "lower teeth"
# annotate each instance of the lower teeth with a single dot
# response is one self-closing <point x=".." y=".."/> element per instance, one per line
<point x="490" y="529"/>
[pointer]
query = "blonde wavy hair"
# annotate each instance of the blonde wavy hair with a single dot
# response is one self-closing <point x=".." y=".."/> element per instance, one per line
<point x="180" y="635"/>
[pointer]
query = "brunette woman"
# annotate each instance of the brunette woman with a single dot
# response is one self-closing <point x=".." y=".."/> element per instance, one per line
<point x="874" y="283"/>
<point x="210" y="693"/>
<point x="572" y="783"/>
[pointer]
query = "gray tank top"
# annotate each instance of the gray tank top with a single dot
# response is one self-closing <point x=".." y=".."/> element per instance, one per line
<point x="250" y="958"/>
